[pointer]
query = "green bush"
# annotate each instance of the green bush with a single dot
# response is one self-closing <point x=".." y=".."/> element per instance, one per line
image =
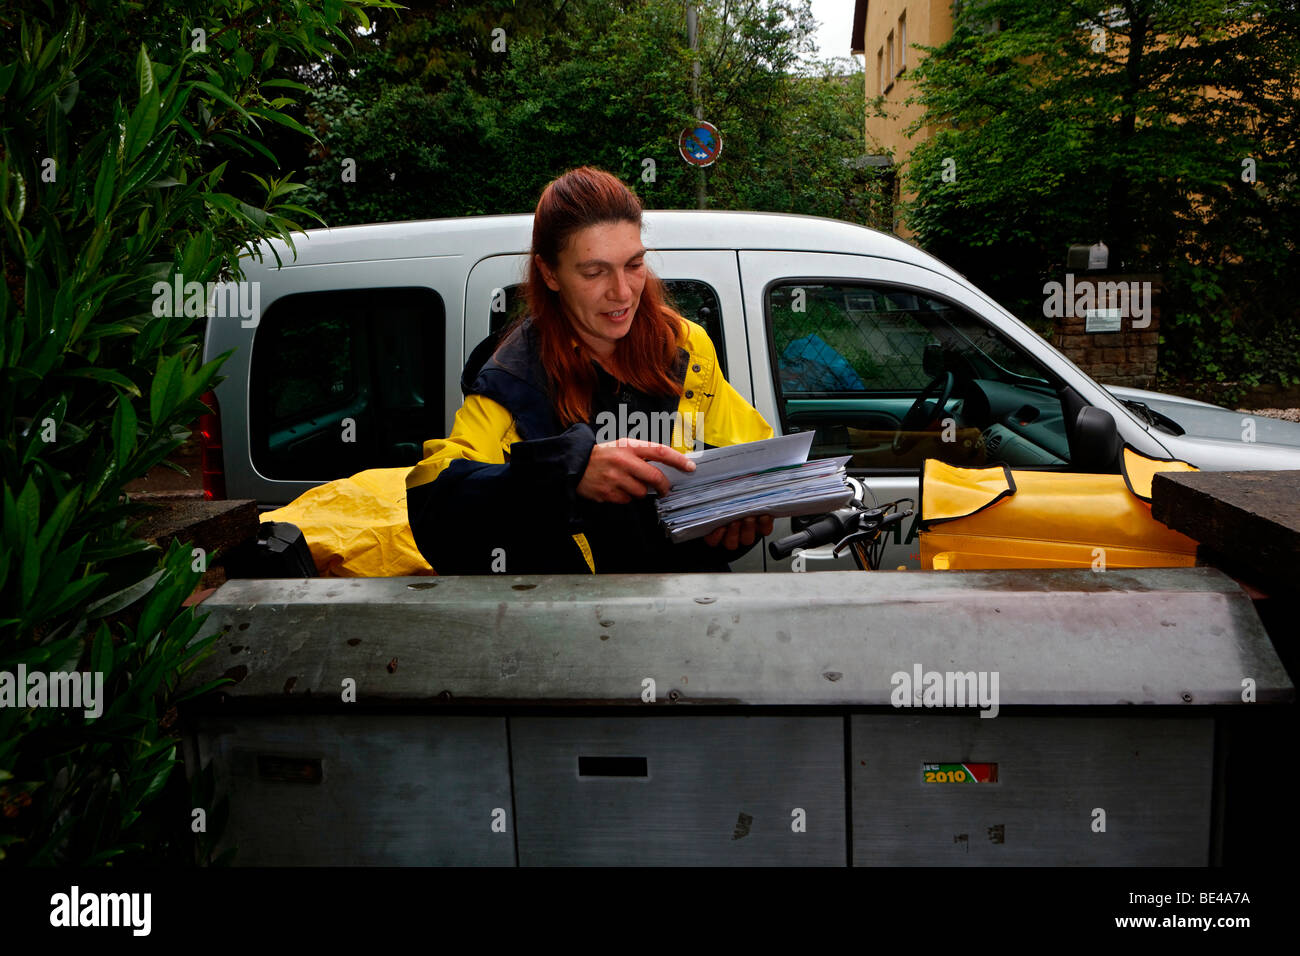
<point x="112" y="180"/>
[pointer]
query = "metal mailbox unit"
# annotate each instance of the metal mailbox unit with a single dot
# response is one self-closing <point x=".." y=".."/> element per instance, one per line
<point x="1153" y="779"/>
<point x="730" y="719"/>
<point x="365" y="790"/>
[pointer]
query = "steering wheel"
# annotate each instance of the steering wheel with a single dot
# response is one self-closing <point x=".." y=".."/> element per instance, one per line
<point x="922" y="415"/>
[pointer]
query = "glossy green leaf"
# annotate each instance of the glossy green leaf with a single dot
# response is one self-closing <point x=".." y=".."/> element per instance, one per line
<point x="165" y="389"/>
<point x="123" y="598"/>
<point x="105" y="375"/>
<point x="125" y="427"/>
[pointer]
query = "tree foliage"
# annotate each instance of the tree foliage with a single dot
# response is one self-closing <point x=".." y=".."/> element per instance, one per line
<point x="433" y="132"/>
<point x="117" y="124"/>
<point x="1168" y="130"/>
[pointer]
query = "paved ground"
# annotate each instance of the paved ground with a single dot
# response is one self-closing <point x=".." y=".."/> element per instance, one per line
<point x="1286" y="414"/>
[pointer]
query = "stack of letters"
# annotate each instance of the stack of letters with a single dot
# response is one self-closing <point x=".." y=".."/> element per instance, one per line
<point x="772" y="477"/>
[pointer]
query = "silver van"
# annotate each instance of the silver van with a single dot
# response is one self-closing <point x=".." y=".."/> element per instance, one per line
<point x="354" y="355"/>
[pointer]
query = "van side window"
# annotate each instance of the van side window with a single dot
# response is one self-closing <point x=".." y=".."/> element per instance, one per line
<point x="891" y="377"/>
<point x="695" y="300"/>
<point x="346" y="380"/>
<point x="698" y="302"/>
<point x="515" y="305"/>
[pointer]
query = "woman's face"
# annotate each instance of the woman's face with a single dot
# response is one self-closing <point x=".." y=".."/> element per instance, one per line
<point x="599" y="276"/>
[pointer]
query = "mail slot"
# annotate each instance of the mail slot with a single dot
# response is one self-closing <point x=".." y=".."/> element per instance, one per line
<point x="364" y="790"/>
<point x="670" y="790"/>
<point x="964" y="791"/>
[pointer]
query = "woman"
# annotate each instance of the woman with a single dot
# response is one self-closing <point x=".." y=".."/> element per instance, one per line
<point x="521" y="484"/>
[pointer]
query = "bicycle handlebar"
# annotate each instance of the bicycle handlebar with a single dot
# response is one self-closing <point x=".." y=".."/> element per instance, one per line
<point x="855" y="521"/>
<point x="827" y="530"/>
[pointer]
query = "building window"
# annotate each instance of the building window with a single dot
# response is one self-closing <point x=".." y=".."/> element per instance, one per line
<point x="882" y="80"/>
<point x="902" y="41"/>
<point x="889" y="49"/>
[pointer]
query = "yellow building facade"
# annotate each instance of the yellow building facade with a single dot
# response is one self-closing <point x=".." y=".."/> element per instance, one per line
<point x="885" y="32"/>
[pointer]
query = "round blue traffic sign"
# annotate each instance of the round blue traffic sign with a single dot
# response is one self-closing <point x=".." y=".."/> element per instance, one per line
<point x="701" y="144"/>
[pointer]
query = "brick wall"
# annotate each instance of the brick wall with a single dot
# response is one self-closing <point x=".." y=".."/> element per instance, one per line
<point x="1270" y="396"/>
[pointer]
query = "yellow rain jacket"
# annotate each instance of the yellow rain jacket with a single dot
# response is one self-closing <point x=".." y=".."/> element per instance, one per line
<point x="356" y="527"/>
<point x="500" y="492"/>
<point x="996" y="518"/>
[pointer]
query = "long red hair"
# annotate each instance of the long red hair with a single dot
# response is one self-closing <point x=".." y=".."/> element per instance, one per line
<point x="584" y="197"/>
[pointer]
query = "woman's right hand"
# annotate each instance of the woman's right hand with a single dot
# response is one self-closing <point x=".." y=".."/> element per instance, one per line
<point x="618" y="471"/>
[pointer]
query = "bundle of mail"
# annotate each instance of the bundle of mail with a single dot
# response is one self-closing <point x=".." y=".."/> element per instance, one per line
<point x="772" y="477"/>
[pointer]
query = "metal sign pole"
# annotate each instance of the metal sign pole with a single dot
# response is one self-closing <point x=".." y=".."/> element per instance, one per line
<point x="693" y="38"/>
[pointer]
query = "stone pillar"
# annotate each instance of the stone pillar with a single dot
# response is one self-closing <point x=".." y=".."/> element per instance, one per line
<point x="1109" y="325"/>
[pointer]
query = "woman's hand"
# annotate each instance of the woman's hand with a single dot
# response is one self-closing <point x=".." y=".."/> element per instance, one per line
<point x="742" y="531"/>
<point x="618" y="471"/>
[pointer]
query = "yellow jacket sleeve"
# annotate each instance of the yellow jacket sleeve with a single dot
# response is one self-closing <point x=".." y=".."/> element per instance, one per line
<point x="481" y="488"/>
<point x="722" y="416"/>
<point x="483" y="431"/>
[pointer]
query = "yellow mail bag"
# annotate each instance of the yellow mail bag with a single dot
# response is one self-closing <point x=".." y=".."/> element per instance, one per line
<point x="998" y="518"/>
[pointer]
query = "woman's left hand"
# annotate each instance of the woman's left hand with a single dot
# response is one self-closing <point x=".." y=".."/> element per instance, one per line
<point x="742" y="531"/>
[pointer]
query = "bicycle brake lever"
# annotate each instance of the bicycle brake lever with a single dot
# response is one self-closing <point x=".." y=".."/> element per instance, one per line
<point x="895" y="517"/>
<point x="871" y="529"/>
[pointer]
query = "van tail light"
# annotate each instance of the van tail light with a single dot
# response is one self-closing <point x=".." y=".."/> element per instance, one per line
<point x="210" y="458"/>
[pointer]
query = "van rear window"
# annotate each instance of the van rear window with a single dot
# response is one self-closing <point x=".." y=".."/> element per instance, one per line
<point x="346" y="380"/>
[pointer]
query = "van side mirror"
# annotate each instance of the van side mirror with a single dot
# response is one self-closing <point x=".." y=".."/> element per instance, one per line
<point x="1096" y="444"/>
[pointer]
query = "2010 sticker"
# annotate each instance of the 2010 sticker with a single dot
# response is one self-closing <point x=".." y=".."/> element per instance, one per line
<point x="959" y="772"/>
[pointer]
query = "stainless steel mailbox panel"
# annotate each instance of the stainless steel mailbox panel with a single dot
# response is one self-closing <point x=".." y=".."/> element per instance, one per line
<point x="1148" y="636"/>
<point x="670" y="790"/>
<point x="364" y="790"/>
<point x="1151" y="778"/>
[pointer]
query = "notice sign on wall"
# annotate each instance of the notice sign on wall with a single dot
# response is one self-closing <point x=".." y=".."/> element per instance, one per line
<point x="1102" y="320"/>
